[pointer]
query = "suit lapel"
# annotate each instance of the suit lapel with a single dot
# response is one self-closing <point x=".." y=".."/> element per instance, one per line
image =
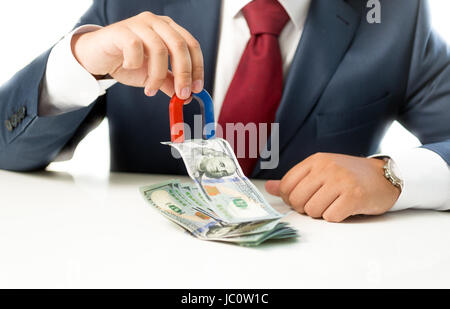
<point x="327" y="34"/>
<point x="201" y="18"/>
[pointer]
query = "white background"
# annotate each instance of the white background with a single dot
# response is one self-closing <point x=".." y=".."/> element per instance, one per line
<point x="30" y="27"/>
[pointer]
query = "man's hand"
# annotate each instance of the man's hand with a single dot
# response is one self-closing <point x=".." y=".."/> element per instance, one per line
<point x="334" y="187"/>
<point x="136" y="52"/>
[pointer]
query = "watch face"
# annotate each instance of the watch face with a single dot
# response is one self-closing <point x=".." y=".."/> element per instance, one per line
<point x="394" y="174"/>
<point x="394" y="170"/>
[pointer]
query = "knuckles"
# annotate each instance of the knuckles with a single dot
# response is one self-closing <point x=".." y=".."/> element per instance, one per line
<point x="324" y="161"/>
<point x="134" y="43"/>
<point x="157" y="79"/>
<point x="198" y="68"/>
<point x="358" y="192"/>
<point x="161" y="50"/>
<point x="146" y="15"/>
<point x="321" y="158"/>
<point x="194" y="44"/>
<point x="295" y="203"/>
<point x="180" y="44"/>
<point x="284" y="189"/>
<point x="312" y="211"/>
<point x="167" y="19"/>
<point x="332" y="218"/>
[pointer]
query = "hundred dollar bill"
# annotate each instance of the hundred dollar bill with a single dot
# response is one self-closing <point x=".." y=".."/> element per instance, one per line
<point x="171" y="206"/>
<point x="192" y="195"/>
<point x="188" y="195"/>
<point x="228" y="192"/>
<point x="165" y="198"/>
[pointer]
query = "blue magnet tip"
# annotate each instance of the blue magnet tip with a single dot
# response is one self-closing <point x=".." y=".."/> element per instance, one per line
<point x="207" y="108"/>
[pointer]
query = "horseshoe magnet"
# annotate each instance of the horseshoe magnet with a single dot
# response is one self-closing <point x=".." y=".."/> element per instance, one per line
<point x="176" y="116"/>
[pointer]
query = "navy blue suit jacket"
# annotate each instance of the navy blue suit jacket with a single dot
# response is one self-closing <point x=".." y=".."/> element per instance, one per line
<point x="348" y="81"/>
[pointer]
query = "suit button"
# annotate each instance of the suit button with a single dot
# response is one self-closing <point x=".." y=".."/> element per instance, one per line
<point x="14" y="120"/>
<point x="8" y="125"/>
<point x="22" y="112"/>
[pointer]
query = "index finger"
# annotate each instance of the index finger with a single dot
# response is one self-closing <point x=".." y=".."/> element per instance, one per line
<point x="180" y="57"/>
<point x="195" y="52"/>
<point x="292" y="178"/>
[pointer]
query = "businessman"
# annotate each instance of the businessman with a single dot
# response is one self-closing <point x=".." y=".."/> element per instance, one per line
<point x="330" y="78"/>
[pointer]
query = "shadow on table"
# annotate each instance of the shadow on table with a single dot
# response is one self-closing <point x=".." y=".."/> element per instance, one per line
<point x="362" y="219"/>
<point x="139" y="179"/>
<point x="133" y="179"/>
<point x="390" y="216"/>
<point x="278" y="243"/>
<point x="44" y="174"/>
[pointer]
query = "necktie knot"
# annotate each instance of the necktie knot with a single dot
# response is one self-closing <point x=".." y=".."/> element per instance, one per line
<point x="265" y="17"/>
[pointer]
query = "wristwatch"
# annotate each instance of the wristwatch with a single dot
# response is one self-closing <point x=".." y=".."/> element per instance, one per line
<point x="391" y="173"/>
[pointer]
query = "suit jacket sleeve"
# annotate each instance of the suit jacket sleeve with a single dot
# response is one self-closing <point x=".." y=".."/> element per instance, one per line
<point x="426" y="111"/>
<point x="29" y="141"/>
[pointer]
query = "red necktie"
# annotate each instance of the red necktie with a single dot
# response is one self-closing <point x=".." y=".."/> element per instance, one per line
<point x="255" y="91"/>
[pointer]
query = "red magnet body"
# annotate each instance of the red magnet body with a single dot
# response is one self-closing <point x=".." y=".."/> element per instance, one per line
<point x="176" y="119"/>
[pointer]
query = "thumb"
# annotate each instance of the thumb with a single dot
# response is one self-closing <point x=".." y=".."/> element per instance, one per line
<point x="273" y="187"/>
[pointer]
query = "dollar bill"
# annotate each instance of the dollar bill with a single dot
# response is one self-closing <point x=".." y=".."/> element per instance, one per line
<point x="171" y="201"/>
<point x="191" y="195"/>
<point x="162" y="197"/>
<point x="228" y="192"/>
<point x="187" y="194"/>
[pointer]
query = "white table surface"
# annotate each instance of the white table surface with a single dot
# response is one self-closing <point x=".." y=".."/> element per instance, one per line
<point x="63" y="231"/>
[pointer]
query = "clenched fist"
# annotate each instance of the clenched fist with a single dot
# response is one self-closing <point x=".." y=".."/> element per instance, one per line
<point x="136" y="52"/>
<point x="334" y="187"/>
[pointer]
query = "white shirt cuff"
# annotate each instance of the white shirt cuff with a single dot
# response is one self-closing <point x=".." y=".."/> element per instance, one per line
<point x="426" y="180"/>
<point x="67" y="85"/>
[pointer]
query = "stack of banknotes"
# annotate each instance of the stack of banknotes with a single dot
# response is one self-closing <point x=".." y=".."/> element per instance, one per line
<point x="222" y="204"/>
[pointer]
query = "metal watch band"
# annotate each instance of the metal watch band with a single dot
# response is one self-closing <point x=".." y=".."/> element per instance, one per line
<point x="390" y="175"/>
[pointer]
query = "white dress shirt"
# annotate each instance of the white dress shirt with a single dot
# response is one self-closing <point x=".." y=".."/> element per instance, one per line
<point x="68" y="86"/>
